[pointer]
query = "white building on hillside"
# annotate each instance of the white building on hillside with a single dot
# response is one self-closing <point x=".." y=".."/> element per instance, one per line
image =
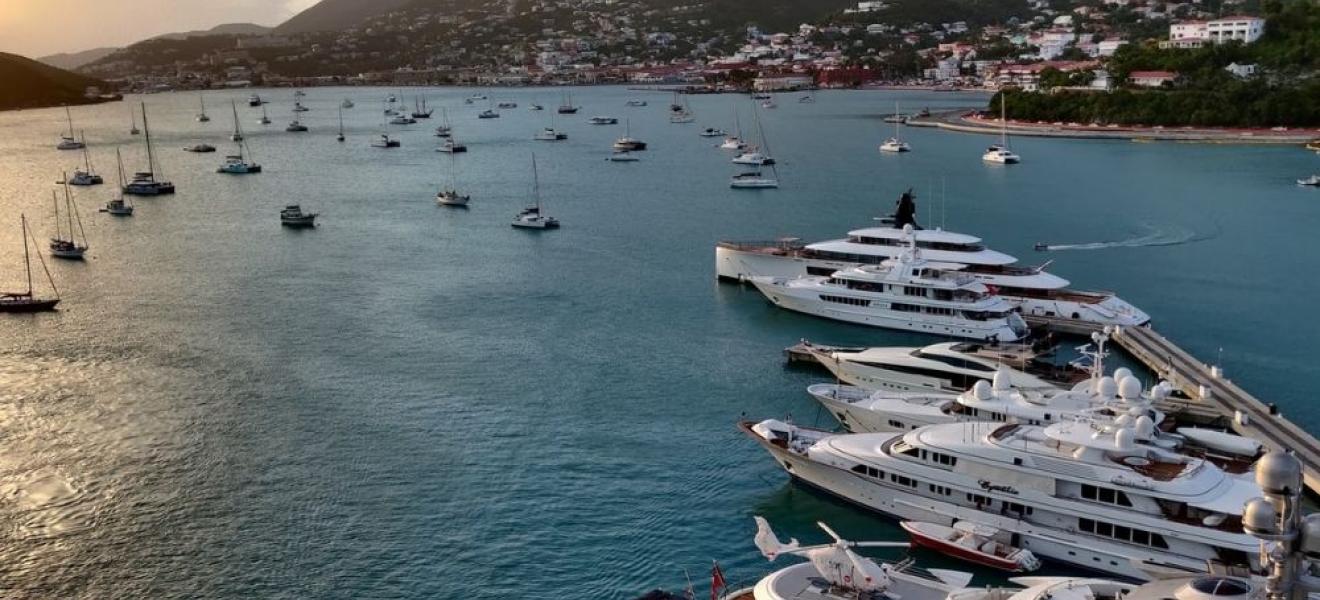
<point x="1194" y="34"/>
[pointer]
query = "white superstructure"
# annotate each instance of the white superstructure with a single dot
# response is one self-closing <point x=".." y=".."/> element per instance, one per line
<point x="945" y="369"/>
<point x="1101" y="496"/>
<point x="1034" y="291"/>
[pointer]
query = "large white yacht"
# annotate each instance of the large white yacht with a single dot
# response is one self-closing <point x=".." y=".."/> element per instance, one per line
<point x="946" y="368"/>
<point x="1034" y="291"/>
<point x="1103" y="496"/>
<point x="908" y="293"/>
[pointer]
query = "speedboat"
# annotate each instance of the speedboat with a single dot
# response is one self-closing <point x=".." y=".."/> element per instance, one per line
<point x="235" y="164"/>
<point x="753" y="180"/>
<point x="603" y="121"/>
<point x="295" y="127"/>
<point x="450" y="146"/>
<point x="488" y="114"/>
<point x="979" y="544"/>
<point x="1312" y="181"/>
<point x="506" y="104"/>
<point x="711" y="132"/>
<point x="550" y="134"/>
<point x="293" y="216"/>
<point x="636" y="103"/>
<point x="254" y="100"/>
<point x="907" y="293"/>
<point x="451" y="198"/>
<point x="384" y="141"/>
<point x="535" y="106"/>
<point x="347" y="103"/>
<point x="1035" y="292"/>
<point x="199" y="148"/>
<point x="894" y="144"/>
<point x="622" y="156"/>
<point x="753" y="158"/>
<point x="1000" y="155"/>
<point x="402" y="119"/>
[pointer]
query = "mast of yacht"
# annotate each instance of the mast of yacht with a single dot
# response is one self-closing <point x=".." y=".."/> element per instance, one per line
<point x="536" y="186"/>
<point x="87" y="157"/>
<point x="119" y="161"/>
<point x="72" y="210"/>
<point x="151" y="156"/>
<point x="69" y="117"/>
<point x="132" y="117"/>
<point x="898" y="122"/>
<point x="55" y="202"/>
<point x="27" y="258"/>
<point x="1003" y="120"/>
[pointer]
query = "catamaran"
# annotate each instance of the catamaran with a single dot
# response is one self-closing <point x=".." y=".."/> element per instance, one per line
<point x="67" y="141"/>
<point x="896" y="143"/>
<point x="144" y="183"/>
<point x="119" y="206"/>
<point x="999" y="153"/>
<point x="450" y="196"/>
<point x="237" y="164"/>
<point x="85" y="175"/>
<point x="62" y="246"/>
<point x="27" y="301"/>
<point x="532" y="217"/>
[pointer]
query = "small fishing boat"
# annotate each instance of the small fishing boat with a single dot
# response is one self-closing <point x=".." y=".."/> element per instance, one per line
<point x="67" y="141"/>
<point x="85" y="175"/>
<point x="199" y="148"/>
<point x="27" y="301"/>
<point x="62" y="246"/>
<point x="384" y="141"/>
<point x="507" y="104"/>
<point x="711" y="132"/>
<point x="550" y="134"/>
<point x="973" y="543"/>
<point x="603" y="121"/>
<point x="488" y="114"/>
<point x="295" y="127"/>
<point x="1312" y="181"/>
<point x="532" y="217"/>
<point x="293" y="216"/>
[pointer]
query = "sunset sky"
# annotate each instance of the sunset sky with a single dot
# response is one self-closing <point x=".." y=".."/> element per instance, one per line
<point x="40" y="27"/>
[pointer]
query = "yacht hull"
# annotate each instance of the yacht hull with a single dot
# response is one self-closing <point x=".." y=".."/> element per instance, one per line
<point x="24" y="306"/>
<point x="734" y="264"/>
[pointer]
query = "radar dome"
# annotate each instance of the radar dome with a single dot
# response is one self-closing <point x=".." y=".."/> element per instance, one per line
<point x="1125" y="439"/>
<point x="1122" y="372"/>
<point x="982" y="391"/>
<point x="1145" y="427"/>
<point x="1123" y="420"/>
<point x="1129" y="388"/>
<point x="1002" y="379"/>
<point x="1279" y="473"/>
<point x="907" y="229"/>
<point x="1159" y="392"/>
<point x="1260" y="518"/>
<point x="1106" y="387"/>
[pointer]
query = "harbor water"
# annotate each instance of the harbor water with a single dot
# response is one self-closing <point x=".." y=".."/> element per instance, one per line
<point x="412" y="401"/>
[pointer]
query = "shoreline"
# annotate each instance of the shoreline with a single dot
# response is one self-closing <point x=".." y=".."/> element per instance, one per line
<point x="966" y="121"/>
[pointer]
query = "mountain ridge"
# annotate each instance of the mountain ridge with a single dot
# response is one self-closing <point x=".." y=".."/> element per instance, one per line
<point x="26" y="83"/>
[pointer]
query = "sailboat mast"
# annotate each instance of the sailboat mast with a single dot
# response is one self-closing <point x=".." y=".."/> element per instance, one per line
<point x="27" y="259"/>
<point x="87" y="157"/>
<point x="55" y="201"/>
<point x="898" y="122"/>
<point x="1003" y="119"/>
<point x="68" y="209"/>
<point x="536" y="185"/>
<point x="119" y="161"/>
<point x="151" y="159"/>
<point x="69" y="116"/>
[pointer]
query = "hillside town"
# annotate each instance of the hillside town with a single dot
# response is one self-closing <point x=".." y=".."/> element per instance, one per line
<point x="561" y="42"/>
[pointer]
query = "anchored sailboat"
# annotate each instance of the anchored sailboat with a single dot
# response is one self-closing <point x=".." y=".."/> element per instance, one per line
<point x="67" y="247"/>
<point x="896" y="143"/>
<point x="201" y="116"/>
<point x="119" y="207"/>
<point x="532" y="217"/>
<point x="86" y="175"/>
<point x="144" y="183"/>
<point x="450" y="195"/>
<point x="238" y="164"/>
<point x="27" y="301"/>
<point x="67" y="141"/>
<point x="999" y="153"/>
<point x="340" y="137"/>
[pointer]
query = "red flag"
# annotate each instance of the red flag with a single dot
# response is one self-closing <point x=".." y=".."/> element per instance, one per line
<point x="716" y="581"/>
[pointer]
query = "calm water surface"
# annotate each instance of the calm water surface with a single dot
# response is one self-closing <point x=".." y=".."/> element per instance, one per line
<point x="414" y="402"/>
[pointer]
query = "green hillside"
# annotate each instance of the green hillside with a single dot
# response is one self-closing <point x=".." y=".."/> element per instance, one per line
<point x="26" y="83"/>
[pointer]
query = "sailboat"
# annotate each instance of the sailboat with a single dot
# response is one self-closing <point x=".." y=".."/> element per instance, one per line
<point x="755" y="179"/>
<point x="340" y="137"/>
<point x="237" y="164"/>
<point x="265" y="119"/>
<point x="118" y="206"/>
<point x="999" y="153"/>
<point x="67" y="141"/>
<point x="896" y="144"/>
<point x="133" y="130"/>
<point x="384" y="140"/>
<point x="444" y="130"/>
<point x="628" y="143"/>
<point x="27" y="301"/>
<point x="144" y="183"/>
<point x="62" y="247"/>
<point x="566" y="107"/>
<point x="735" y="141"/>
<point x="237" y="136"/>
<point x="752" y="155"/>
<point x="421" y="111"/>
<point x="86" y="175"/>
<point x="680" y="112"/>
<point x="201" y="116"/>
<point x="550" y="134"/>
<point x="450" y="195"/>
<point x="531" y="217"/>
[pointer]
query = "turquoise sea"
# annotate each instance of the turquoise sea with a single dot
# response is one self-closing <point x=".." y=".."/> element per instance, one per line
<point x="418" y="402"/>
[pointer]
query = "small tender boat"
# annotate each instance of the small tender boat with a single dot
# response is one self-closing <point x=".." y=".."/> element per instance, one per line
<point x="384" y="141"/>
<point x="450" y="146"/>
<point x="535" y="106"/>
<point x="295" y="127"/>
<point x="507" y="104"/>
<point x="550" y="134"/>
<point x="293" y="216"/>
<point x="603" y="121"/>
<point x="622" y="156"/>
<point x="27" y="301"/>
<point x="636" y="103"/>
<point x="711" y="132"/>
<point x="488" y="114"/>
<point x="1313" y="181"/>
<point x="199" y="148"/>
<point x="254" y="100"/>
<point x="753" y="180"/>
<point x="973" y="543"/>
<point x="402" y="119"/>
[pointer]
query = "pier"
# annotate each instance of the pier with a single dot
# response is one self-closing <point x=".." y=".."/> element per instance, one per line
<point x="1212" y="396"/>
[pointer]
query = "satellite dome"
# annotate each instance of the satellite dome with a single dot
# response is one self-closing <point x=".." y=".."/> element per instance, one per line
<point x="1260" y="517"/>
<point x="1003" y="379"/>
<point x="1122" y="372"/>
<point x="982" y="391"/>
<point x="1145" y="427"/>
<point x="1106" y="387"/>
<point x="1125" y="439"/>
<point x="1129" y="388"/>
<point x="1279" y="473"/>
<point x="1311" y="536"/>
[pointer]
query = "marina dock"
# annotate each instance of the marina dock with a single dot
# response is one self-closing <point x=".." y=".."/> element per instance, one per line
<point x="1210" y="392"/>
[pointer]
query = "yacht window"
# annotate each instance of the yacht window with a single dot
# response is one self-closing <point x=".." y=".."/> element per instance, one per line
<point x="1221" y="586"/>
<point x="899" y="307"/>
<point x="1104" y="529"/>
<point x="845" y="300"/>
<point x="954" y="361"/>
<point x="1141" y="537"/>
<point x="893" y="423"/>
<point x="909" y="290"/>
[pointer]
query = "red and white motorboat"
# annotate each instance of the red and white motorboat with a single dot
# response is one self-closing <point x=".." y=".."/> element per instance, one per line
<point x="973" y="543"/>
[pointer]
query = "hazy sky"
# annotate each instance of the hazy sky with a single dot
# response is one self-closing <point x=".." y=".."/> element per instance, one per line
<point x="39" y="27"/>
